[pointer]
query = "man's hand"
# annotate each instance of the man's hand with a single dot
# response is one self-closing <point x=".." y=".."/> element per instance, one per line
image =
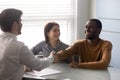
<point x="27" y="69"/>
<point x="56" y="60"/>
<point x="74" y="64"/>
<point x="52" y="53"/>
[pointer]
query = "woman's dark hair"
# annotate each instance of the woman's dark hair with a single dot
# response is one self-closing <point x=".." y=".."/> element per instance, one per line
<point x="47" y="29"/>
<point x="7" y="17"/>
<point x="98" y="22"/>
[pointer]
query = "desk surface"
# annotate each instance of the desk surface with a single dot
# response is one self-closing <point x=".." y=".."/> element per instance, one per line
<point x="82" y="74"/>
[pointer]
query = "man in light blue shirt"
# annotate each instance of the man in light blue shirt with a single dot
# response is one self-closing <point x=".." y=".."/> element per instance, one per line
<point x="13" y="53"/>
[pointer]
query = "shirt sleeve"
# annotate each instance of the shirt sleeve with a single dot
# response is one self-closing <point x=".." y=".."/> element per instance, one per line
<point x="27" y="58"/>
<point x="68" y="52"/>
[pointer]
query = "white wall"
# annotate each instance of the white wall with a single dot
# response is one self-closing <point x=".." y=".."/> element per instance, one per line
<point x="85" y="9"/>
<point x="83" y="14"/>
<point x="109" y="13"/>
<point x="93" y="9"/>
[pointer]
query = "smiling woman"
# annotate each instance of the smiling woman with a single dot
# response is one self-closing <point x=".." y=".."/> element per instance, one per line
<point x="37" y="13"/>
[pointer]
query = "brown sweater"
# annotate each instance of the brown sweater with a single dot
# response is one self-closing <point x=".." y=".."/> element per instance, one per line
<point x="91" y="57"/>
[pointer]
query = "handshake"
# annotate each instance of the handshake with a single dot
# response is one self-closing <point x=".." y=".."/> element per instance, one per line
<point x="52" y="54"/>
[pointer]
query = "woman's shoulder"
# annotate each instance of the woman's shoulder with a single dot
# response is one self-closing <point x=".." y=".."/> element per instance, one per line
<point x="64" y="44"/>
<point x="42" y="43"/>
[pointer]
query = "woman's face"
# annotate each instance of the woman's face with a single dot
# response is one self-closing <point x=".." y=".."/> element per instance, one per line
<point x="54" y="33"/>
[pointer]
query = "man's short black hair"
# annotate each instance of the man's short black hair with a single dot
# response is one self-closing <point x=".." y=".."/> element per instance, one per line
<point x="97" y="21"/>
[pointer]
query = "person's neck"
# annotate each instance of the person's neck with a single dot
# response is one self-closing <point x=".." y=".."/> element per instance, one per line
<point x="93" y="42"/>
<point x="13" y="32"/>
<point x="53" y="43"/>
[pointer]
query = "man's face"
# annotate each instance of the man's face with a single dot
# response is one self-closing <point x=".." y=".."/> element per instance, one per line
<point x="91" y="31"/>
<point x="19" y="27"/>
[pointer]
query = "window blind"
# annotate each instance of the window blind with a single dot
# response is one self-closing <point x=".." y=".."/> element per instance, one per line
<point x="36" y="13"/>
<point x="41" y="8"/>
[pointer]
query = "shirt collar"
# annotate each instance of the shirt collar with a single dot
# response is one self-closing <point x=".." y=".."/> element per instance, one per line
<point x="10" y="35"/>
<point x="48" y="46"/>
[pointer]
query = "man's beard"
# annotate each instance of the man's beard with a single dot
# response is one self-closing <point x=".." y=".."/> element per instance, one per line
<point x="19" y="31"/>
<point x="91" y="37"/>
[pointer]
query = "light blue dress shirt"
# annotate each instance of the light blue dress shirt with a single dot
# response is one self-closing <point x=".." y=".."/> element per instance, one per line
<point x="14" y="55"/>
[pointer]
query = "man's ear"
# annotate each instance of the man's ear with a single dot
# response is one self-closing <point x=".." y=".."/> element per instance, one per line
<point x="15" y="23"/>
<point x="98" y="31"/>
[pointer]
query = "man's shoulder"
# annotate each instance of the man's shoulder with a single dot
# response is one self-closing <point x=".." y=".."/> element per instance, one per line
<point x="18" y="43"/>
<point x="80" y="41"/>
<point x="107" y="42"/>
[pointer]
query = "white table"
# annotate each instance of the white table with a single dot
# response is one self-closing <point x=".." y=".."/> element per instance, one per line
<point x="82" y="74"/>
